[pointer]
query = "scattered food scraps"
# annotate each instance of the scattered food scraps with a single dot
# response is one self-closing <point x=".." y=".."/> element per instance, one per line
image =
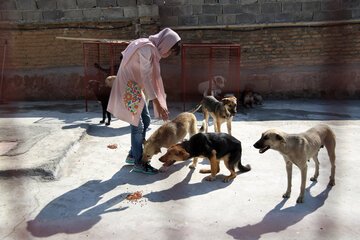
<point x="112" y="146"/>
<point x="134" y="196"/>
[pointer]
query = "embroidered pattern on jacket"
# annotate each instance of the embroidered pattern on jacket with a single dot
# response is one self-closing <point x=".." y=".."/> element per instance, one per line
<point x="132" y="97"/>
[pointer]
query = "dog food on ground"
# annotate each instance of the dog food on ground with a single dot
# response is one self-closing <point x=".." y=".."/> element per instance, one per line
<point x="134" y="196"/>
<point x="112" y="146"/>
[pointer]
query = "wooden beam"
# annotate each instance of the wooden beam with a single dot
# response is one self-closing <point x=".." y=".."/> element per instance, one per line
<point x="94" y="39"/>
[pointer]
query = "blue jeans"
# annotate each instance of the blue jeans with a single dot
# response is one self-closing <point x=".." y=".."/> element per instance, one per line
<point x="138" y="134"/>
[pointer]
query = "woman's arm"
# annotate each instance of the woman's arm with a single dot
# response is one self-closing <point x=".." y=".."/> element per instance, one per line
<point x="146" y="75"/>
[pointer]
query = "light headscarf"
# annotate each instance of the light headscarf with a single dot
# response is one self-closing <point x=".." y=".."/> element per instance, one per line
<point x="164" y="40"/>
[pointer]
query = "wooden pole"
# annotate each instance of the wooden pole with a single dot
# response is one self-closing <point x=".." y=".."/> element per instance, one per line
<point x="94" y="39"/>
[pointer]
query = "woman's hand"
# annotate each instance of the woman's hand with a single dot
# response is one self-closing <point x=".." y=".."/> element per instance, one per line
<point x="163" y="112"/>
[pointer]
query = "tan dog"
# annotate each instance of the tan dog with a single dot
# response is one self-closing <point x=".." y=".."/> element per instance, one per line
<point x="169" y="134"/>
<point x="297" y="149"/>
<point x="110" y="80"/>
<point x="221" y="112"/>
<point x="217" y="83"/>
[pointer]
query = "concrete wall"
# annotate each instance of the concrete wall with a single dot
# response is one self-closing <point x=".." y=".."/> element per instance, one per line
<point x="35" y="11"/>
<point x="234" y="12"/>
<point x="182" y="12"/>
<point x="290" y="48"/>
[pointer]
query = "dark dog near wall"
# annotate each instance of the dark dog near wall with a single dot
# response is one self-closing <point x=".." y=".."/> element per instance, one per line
<point x="250" y="98"/>
<point x="102" y="93"/>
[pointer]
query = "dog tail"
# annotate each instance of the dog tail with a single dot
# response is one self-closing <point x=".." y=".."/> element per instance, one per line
<point x="196" y="109"/>
<point x="202" y="128"/>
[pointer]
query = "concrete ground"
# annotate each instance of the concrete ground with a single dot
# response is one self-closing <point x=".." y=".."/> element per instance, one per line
<point x="59" y="179"/>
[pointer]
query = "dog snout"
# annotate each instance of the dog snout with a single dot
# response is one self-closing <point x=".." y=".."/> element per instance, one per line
<point x="162" y="159"/>
<point x="259" y="144"/>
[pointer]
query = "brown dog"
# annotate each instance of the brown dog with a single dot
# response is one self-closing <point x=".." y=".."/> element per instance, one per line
<point x="298" y="149"/>
<point x="170" y="133"/>
<point x="213" y="146"/>
<point x="221" y="112"/>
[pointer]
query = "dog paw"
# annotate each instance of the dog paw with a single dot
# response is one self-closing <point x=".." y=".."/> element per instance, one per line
<point x="332" y="182"/>
<point x="300" y="199"/>
<point x="286" y="195"/>
<point x="210" y="178"/>
<point x="192" y="166"/>
<point x="313" y="179"/>
<point x="227" y="179"/>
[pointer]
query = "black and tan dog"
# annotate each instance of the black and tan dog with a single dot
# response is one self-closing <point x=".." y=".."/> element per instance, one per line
<point x="298" y="149"/>
<point x="213" y="146"/>
<point x="221" y="111"/>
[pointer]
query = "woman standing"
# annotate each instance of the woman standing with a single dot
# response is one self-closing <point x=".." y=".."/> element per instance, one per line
<point x="139" y="72"/>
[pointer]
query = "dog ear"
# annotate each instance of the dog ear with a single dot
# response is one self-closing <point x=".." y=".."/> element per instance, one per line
<point x="280" y="138"/>
<point x="185" y="154"/>
<point x="185" y="144"/>
<point x="157" y="150"/>
<point x="225" y="101"/>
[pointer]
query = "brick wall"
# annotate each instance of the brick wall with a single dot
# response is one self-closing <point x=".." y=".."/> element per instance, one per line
<point x="39" y="66"/>
<point x="287" y="45"/>
<point x="31" y="27"/>
<point x="34" y="46"/>
<point x="317" y="61"/>
<point x="307" y="48"/>
<point x="284" y="43"/>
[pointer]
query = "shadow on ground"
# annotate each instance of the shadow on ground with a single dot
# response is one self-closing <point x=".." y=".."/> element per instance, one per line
<point x="77" y="210"/>
<point x="99" y="130"/>
<point x="280" y="219"/>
